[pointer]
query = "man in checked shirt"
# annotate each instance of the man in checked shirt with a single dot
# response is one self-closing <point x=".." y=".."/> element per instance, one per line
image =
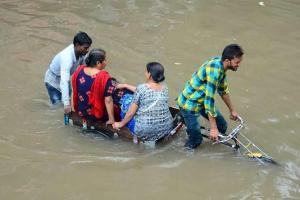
<point x="198" y="95"/>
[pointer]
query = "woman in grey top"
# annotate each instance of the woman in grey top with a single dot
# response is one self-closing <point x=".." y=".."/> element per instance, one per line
<point x="149" y="106"/>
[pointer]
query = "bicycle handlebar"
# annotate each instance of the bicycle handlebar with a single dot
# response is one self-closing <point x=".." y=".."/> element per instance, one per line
<point x="233" y="133"/>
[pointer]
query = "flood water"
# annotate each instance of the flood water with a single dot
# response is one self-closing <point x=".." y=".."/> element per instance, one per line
<point x="40" y="158"/>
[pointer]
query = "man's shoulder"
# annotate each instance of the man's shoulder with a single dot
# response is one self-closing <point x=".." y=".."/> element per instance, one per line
<point x="215" y="62"/>
<point x="68" y="51"/>
<point x="67" y="55"/>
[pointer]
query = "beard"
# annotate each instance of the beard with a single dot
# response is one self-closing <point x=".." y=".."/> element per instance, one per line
<point x="233" y="68"/>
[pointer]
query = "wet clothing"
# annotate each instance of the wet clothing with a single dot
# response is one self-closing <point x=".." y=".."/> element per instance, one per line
<point x="60" y="69"/>
<point x="199" y="91"/>
<point x="153" y="119"/>
<point x="54" y="94"/>
<point x="192" y="123"/>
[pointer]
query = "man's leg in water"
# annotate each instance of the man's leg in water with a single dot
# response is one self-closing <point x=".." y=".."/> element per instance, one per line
<point x="192" y="123"/>
<point x="54" y="94"/>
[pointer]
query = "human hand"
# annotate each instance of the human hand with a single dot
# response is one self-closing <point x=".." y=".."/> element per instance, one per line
<point x="110" y="122"/>
<point x="213" y="134"/>
<point x="233" y="115"/>
<point x="67" y="109"/>
<point x="117" y="125"/>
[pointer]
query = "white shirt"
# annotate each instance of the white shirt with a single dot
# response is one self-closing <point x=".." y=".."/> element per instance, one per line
<point x="60" y="70"/>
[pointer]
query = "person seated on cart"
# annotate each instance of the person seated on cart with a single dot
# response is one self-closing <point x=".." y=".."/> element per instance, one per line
<point x="149" y="106"/>
<point x="95" y="95"/>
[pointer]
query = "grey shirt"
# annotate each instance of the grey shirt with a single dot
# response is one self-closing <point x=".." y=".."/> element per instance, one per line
<point x="153" y="118"/>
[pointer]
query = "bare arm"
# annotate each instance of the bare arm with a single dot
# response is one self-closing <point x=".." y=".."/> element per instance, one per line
<point x="127" y="86"/>
<point x="109" y="104"/>
<point x="213" y="133"/>
<point x="227" y="101"/>
<point x="129" y="115"/>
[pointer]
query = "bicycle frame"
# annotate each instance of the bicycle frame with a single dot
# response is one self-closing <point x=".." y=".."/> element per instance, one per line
<point x="233" y="141"/>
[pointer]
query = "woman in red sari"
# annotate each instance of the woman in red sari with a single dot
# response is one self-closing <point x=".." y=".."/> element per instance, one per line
<point x="93" y="88"/>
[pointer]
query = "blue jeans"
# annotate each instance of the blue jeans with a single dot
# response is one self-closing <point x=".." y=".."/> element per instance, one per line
<point x="54" y="94"/>
<point x="192" y="123"/>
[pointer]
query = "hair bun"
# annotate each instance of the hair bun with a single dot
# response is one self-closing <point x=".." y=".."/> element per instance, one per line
<point x="160" y="78"/>
<point x="156" y="70"/>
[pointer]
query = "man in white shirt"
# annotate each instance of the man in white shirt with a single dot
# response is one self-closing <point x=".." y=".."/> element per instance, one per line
<point x="63" y="65"/>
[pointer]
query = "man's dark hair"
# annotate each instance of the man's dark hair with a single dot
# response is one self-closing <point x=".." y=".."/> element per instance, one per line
<point x="94" y="56"/>
<point x="82" y="38"/>
<point x="157" y="71"/>
<point x="232" y="51"/>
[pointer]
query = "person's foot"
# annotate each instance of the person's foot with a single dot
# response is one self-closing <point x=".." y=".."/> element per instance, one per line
<point x="191" y="144"/>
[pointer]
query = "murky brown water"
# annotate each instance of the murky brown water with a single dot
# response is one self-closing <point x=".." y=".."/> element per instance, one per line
<point x="40" y="158"/>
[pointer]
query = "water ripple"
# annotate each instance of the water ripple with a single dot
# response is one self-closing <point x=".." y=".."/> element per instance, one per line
<point x="117" y="159"/>
<point x="169" y="165"/>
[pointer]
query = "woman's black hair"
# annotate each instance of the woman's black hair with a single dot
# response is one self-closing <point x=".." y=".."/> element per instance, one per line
<point x="94" y="56"/>
<point x="82" y="38"/>
<point x="156" y="71"/>
<point x="232" y="51"/>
